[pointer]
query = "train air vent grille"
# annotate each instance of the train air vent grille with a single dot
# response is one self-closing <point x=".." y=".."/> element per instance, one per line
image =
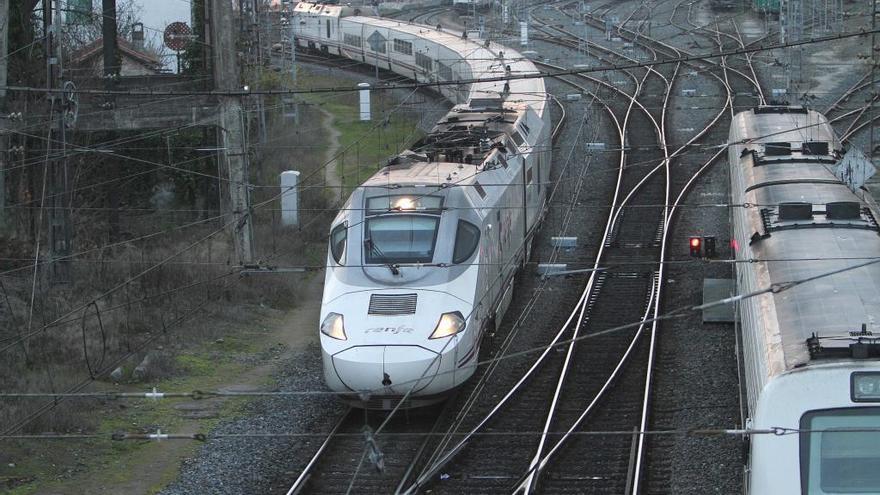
<point x="394" y="304"/>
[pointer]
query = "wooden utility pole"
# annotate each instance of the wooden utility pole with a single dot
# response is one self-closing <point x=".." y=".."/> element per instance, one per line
<point x="232" y="127"/>
<point x="4" y="135"/>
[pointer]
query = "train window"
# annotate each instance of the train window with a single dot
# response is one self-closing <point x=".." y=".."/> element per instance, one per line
<point x="517" y="138"/>
<point x="404" y="47"/>
<point x="444" y="71"/>
<point x="352" y="39"/>
<point x="479" y="188"/>
<point x="338" y="236"/>
<point x="840" y="461"/>
<point x="424" y="62"/>
<point x="328" y="28"/>
<point x="467" y="237"/>
<point x="401" y="239"/>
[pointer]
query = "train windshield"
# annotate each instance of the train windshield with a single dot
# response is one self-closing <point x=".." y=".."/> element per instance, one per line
<point x="400" y="238"/>
<point x="846" y="461"/>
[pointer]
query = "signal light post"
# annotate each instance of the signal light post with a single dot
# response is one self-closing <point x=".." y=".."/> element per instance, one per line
<point x="702" y="246"/>
<point x="696" y="246"/>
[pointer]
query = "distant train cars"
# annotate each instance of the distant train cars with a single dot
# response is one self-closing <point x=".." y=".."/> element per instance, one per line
<point x="467" y="6"/>
<point x="811" y="355"/>
<point x="423" y="254"/>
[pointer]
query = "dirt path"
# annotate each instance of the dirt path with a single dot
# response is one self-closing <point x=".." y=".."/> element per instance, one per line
<point x="293" y="330"/>
<point x="331" y="171"/>
<point x="156" y="464"/>
<point x="153" y="466"/>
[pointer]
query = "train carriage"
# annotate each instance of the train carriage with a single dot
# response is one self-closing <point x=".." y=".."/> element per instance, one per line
<point x="810" y="353"/>
<point x="423" y="255"/>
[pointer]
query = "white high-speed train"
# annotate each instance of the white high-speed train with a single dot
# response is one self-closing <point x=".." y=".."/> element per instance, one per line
<point x="811" y="354"/>
<point x="422" y="256"/>
<point x="467" y="6"/>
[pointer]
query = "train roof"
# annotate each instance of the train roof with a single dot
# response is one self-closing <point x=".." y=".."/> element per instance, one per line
<point x="411" y="169"/>
<point x="812" y="219"/>
<point x="330" y="10"/>
<point x="486" y="60"/>
<point x="486" y="131"/>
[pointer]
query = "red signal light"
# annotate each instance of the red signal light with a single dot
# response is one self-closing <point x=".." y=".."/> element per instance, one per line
<point x="696" y="244"/>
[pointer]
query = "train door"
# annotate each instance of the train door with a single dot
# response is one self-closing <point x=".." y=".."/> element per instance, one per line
<point x="489" y="261"/>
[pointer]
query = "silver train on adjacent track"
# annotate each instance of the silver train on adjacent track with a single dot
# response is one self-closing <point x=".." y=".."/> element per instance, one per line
<point x="811" y="353"/>
<point x="423" y="254"/>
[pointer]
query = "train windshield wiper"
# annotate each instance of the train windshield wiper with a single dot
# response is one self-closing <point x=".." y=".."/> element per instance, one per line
<point x="374" y="249"/>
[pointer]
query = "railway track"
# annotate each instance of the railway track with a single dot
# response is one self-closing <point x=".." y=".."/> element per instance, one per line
<point x="629" y="286"/>
<point x="341" y="463"/>
<point x="636" y="459"/>
<point x="584" y="387"/>
<point x="351" y="460"/>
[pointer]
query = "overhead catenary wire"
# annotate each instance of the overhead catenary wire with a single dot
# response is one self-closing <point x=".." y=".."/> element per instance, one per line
<point x="437" y="84"/>
<point x="701" y="431"/>
<point x="626" y="432"/>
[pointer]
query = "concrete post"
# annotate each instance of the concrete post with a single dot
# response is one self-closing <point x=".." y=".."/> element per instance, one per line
<point x="523" y="33"/>
<point x="365" y="101"/>
<point x="4" y="136"/>
<point x="232" y="127"/>
<point x="108" y="31"/>
<point x="290" y="198"/>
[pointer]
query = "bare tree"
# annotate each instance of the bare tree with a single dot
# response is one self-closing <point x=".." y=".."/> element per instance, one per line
<point x="87" y="28"/>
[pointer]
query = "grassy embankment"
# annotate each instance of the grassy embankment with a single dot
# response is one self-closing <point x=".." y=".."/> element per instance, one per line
<point x="223" y="357"/>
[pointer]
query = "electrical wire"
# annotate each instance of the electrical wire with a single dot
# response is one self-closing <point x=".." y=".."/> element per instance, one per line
<point x="700" y="431"/>
<point x="437" y="84"/>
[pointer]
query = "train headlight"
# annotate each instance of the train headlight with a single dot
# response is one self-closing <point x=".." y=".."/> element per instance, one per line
<point x="865" y="386"/>
<point x="449" y="324"/>
<point x="404" y="203"/>
<point x="334" y="327"/>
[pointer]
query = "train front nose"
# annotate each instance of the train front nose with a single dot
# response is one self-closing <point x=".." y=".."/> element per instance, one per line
<point x="386" y="369"/>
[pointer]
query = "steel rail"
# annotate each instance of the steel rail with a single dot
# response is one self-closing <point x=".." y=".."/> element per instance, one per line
<point x="439" y="463"/>
<point x="306" y="473"/>
<point x="847" y="136"/>
<point x="529" y="484"/>
<point x="634" y="483"/>
<point x="481" y="383"/>
<point x="696" y="28"/>
<point x="532" y="477"/>
<point x="441" y="459"/>
<point x="749" y="57"/>
<point x="554" y="136"/>
<point x="861" y="83"/>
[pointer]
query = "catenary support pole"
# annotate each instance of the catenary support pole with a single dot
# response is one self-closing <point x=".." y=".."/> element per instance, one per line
<point x="232" y="127"/>
<point x="4" y="136"/>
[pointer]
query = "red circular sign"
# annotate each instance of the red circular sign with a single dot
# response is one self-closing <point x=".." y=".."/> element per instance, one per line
<point x="177" y="36"/>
